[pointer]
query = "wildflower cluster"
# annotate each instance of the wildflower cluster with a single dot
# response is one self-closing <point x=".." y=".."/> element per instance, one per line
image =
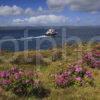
<point x="74" y="76"/>
<point x="93" y="58"/>
<point x="19" y="81"/>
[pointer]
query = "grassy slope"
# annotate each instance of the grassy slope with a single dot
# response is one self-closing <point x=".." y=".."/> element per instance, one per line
<point x="83" y="93"/>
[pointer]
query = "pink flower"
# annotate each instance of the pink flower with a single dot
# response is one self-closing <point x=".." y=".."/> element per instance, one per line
<point x="61" y="80"/>
<point x="17" y="76"/>
<point x="14" y="70"/>
<point x="78" y="78"/>
<point x="65" y="74"/>
<point x="88" y="57"/>
<point x="78" y="69"/>
<point x="96" y="64"/>
<point x="4" y="74"/>
<point x="89" y="74"/>
<point x="6" y="82"/>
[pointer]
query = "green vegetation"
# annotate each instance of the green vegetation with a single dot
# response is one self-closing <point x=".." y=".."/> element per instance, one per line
<point x="50" y="62"/>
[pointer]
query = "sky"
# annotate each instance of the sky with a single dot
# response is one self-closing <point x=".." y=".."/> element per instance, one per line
<point x="49" y="12"/>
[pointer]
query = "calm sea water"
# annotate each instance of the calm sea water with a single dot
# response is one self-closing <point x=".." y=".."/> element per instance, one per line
<point x="10" y="37"/>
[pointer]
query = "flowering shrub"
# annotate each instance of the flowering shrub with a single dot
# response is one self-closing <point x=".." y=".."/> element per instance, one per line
<point x="92" y="60"/>
<point x="20" y="82"/>
<point x="96" y="53"/>
<point x="74" y="76"/>
<point x="88" y="58"/>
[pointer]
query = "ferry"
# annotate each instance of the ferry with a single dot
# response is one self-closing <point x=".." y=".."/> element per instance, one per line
<point x="51" y="32"/>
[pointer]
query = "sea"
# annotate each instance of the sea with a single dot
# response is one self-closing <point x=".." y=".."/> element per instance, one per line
<point x="34" y="38"/>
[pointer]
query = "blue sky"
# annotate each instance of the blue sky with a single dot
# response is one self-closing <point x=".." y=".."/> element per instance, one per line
<point x="34" y="4"/>
<point x="49" y="12"/>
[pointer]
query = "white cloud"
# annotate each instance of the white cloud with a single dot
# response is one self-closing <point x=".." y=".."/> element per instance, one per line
<point x="29" y="11"/>
<point x="80" y="5"/>
<point x="18" y="20"/>
<point x="7" y="10"/>
<point x="42" y="20"/>
<point x="15" y="10"/>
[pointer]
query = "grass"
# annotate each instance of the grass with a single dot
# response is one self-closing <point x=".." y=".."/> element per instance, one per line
<point x="72" y="55"/>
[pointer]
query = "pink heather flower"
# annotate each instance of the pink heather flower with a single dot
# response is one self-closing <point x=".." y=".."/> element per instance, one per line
<point x="78" y="78"/>
<point x="89" y="74"/>
<point x="4" y="74"/>
<point x="96" y="64"/>
<point x="65" y="74"/>
<point x="60" y="80"/>
<point x="17" y="76"/>
<point x="14" y="70"/>
<point x="88" y="57"/>
<point x="6" y="82"/>
<point x="78" y="69"/>
<point x="96" y="52"/>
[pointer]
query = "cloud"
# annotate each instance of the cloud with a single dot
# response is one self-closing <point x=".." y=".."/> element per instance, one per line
<point x="28" y="11"/>
<point x="7" y="10"/>
<point x="15" y="10"/>
<point x="79" y="5"/>
<point x="42" y="20"/>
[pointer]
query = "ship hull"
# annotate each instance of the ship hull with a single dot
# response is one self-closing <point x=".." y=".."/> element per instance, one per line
<point x="51" y="34"/>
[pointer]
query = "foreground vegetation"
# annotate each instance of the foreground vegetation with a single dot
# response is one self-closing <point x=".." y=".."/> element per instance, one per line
<point x="47" y="63"/>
